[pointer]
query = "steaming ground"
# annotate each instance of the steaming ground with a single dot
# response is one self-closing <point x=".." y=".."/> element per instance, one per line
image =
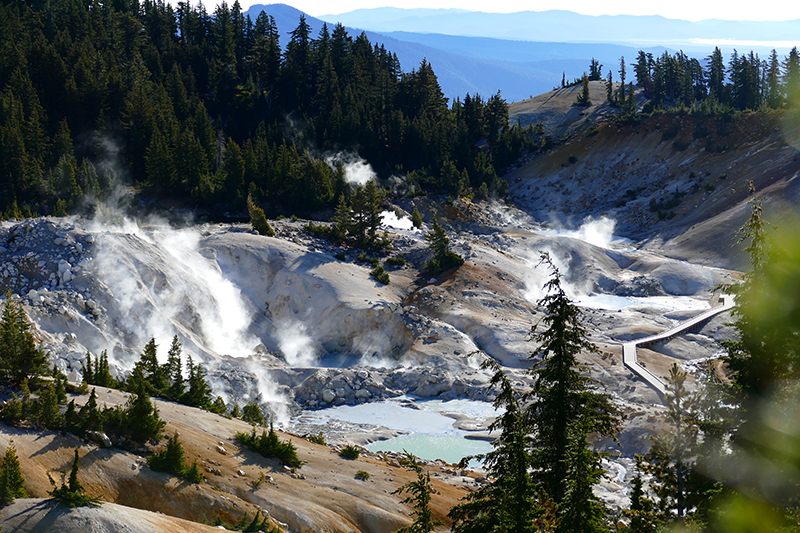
<point x="283" y="321"/>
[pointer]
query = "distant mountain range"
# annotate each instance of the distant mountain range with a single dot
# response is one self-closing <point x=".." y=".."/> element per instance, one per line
<point x="566" y="26"/>
<point x="524" y="54"/>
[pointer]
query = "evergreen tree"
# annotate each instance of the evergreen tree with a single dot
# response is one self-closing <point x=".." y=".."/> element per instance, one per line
<point x="91" y="419"/>
<point x="595" y="70"/>
<point x="258" y="219"/>
<point x="563" y="396"/>
<point x="149" y="369"/>
<point x="199" y="393"/>
<point x="510" y="502"/>
<point x="420" y="498"/>
<point x="581" y="511"/>
<point x="252" y="413"/>
<point x="583" y="97"/>
<point x="12" y="484"/>
<point x="141" y="416"/>
<point x="171" y="459"/>
<point x="416" y="218"/>
<point x="173" y="370"/>
<point x="20" y="358"/>
<point x="443" y="258"/>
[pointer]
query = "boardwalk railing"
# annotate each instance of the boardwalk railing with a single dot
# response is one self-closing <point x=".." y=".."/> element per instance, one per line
<point x="629" y="348"/>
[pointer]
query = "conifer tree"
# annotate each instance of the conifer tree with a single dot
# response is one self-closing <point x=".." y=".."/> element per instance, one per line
<point x="12" y="484"/>
<point x="420" y="498"/>
<point x="141" y="416"/>
<point x="199" y="393"/>
<point x="20" y="358"/>
<point x="562" y="394"/>
<point x="416" y="218"/>
<point x="173" y="370"/>
<point x="72" y="493"/>
<point x="510" y="502"/>
<point x="583" y="97"/>
<point x="91" y="419"/>
<point x="258" y="219"/>
<point x="443" y="258"/>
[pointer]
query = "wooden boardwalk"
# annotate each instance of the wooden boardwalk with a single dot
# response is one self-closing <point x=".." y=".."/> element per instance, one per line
<point x="629" y="348"/>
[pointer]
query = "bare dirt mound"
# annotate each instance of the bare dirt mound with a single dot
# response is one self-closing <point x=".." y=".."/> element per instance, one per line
<point x="34" y="515"/>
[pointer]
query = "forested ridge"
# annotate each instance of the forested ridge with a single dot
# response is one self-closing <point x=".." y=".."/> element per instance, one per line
<point x="214" y="107"/>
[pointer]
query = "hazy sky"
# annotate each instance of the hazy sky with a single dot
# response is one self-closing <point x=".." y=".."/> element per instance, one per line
<point x="680" y="9"/>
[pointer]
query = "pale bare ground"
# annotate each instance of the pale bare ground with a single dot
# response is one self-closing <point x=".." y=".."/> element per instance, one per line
<point x="323" y="495"/>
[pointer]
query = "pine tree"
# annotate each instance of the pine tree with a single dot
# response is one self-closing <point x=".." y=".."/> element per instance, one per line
<point x="510" y="502"/>
<point x="20" y="358"/>
<point x="199" y="393"/>
<point x="563" y="396"/>
<point x="141" y="416"/>
<point x="72" y="493"/>
<point x="171" y="459"/>
<point x="173" y="370"/>
<point x="583" y="97"/>
<point x="258" y="219"/>
<point x="416" y="218"/>
<point x="420" y="498"/>
<point x="581" y="511"/>
<point x="12" y="484"/>
<point x="91" y="419"/>
<point x="443" y="258"/>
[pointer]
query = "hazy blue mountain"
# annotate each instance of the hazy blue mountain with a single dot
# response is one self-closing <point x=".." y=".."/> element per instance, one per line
<point x="468" y="65"/>
<point x="566" y="26"/>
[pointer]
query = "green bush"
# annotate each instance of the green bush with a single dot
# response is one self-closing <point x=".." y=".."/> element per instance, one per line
<point x="350" y="452"/>
<point x="258" y="219"/>
<point x="269" y="445"/>
<point x="341" y="256"/>
<point x="396" y="261"/>
<point x="170" y="459"/>
<point x="380" y="275"/>
<point x="319" y="438"/>
<point x="362" y="474"/>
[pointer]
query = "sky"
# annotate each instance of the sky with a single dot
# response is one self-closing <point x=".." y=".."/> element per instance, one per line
<point x="680" y="9"/>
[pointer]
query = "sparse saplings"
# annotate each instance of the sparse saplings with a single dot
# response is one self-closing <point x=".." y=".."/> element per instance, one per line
<point x="71" y="493"/>
<point x="12" y="484"/>
<point x="443" y="258"/>
<point x="420" y="499"/>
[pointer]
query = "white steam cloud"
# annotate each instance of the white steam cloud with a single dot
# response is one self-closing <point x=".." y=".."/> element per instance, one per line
<point x="295" y="343"/>
<point x="356" y="170"/>
<point x="595" y="231"/>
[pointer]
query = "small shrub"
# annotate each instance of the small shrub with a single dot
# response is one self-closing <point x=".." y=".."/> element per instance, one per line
<point x="269" y="445"/>
<point x="362" y="475"/>
<point x="193" y="474"/>
<point x="396" y="261"/>
<point x="252" y="413"/>
<point x="709" y="186"/>
<point x="350" y="452"/>
<point x="258" y="220"/>
<point x="341" y="256"/>
<point x="319" y="438"/>
<point x="680" y="145"/>
<point x="722" y="176"/>
<point x="380" y="275"/>
<point x="572" y="159"/>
